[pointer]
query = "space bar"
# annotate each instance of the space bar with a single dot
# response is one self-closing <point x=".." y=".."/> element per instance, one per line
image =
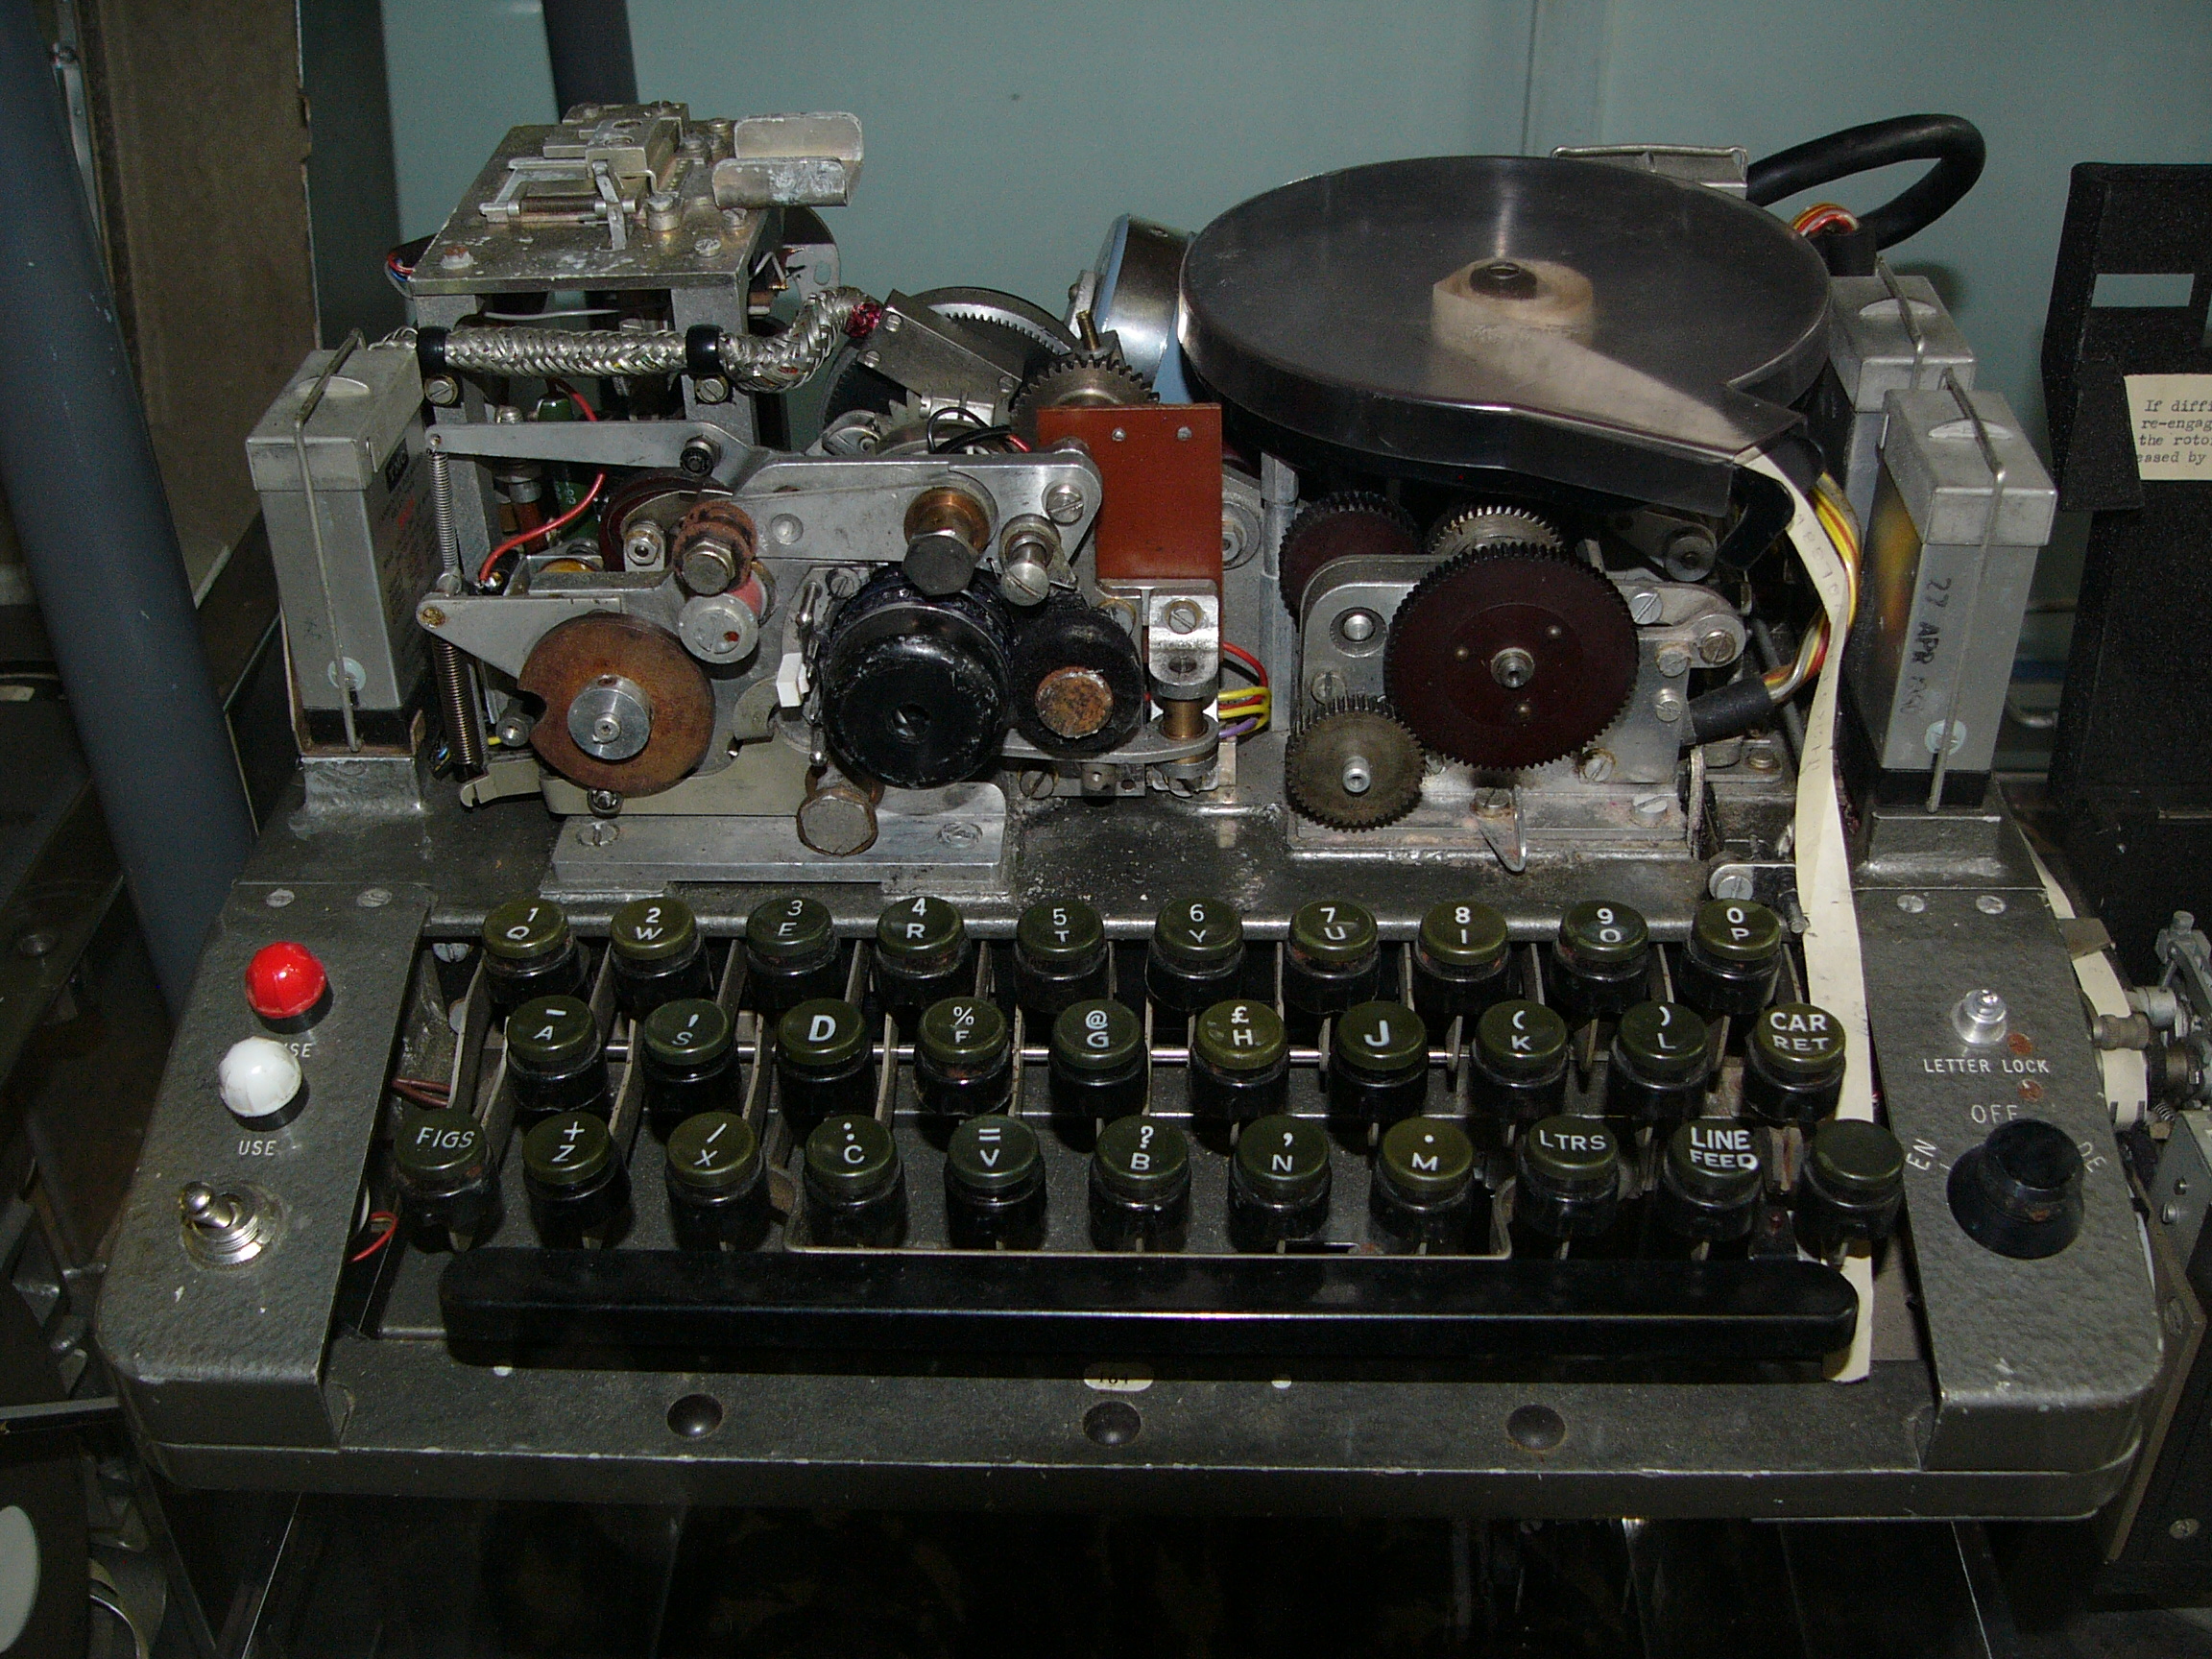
<point x="1003" y="1304"/>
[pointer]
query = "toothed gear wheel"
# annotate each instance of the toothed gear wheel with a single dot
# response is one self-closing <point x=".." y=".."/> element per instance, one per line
<point x="1348" y="525"/>
<point x="1083" y="380"/>
<point x="1511" y="658"/>
<point x="1354" y="765"/>
<point x="1485" y="525"/>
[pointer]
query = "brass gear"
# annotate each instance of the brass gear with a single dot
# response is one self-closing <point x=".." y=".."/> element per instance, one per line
<point x="1512" y="657"/>
<point x="1081" y="379"/>
<point x="1354" y="765"/>
<point x="1482" y="525"/>
<point x="1351" y="523"/>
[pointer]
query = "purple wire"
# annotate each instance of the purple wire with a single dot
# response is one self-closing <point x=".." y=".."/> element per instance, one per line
<point x="1243" y="729"/>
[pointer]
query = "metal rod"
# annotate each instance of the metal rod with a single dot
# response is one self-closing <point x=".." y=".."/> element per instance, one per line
<point x="341" y="676"/>
<point x="81" y="481"/>
<point x="1996" y="467"/>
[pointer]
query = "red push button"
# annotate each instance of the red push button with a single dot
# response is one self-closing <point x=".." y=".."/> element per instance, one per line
<point x="286" y="986"/>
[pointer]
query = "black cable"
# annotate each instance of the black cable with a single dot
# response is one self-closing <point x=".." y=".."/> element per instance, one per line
<point x="1952" y="142"/>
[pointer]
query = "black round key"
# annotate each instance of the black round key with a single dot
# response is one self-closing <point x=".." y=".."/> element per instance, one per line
<point x="687" y="1048"/>
<point x="1852" y="1188"/>
<point x="1097" y="1060"/>
<point x="2019" y="1192"/>
<point x="1793" y="1063"/>
<point x="1060" y="956"/>
<point x="1278" y="1182"/>
<point x="994" y="1185"/>
<point x="444" y="1164"/>
<point x="1600" y="960"/>
<point x="529" y="951"/>
<point x="1568" y="1183"/>
<point x="1424" y="1194"/>
<point x="1377" y="1062"/>
<point x="963" y="1057"/>
<point x="1461" y="960"/>
<point x="577" y="1185"/>
<point x="658" y="954"/>
<point x="1659" y="1064"/>
<point x="1519" y="1055"/>
<point x="922" y="955"/>
<point x="1333" y="959"/>
<point x="791" y="954"/>
<point x="855" y="1185"/>
<point x="1239" y="1060"/>
<point x="824" y="1063"/>
<point x="1141" y="1185"/>
<point x="556" y="1059"/>
<point x="717" y="1183"/>
<point x="1710" y="1180"/>
<point x="1196" y="955"/>
<point x="1733" y="956"/>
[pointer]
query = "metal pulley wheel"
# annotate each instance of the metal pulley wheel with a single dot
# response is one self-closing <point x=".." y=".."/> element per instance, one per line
<point x="626" y="708"/>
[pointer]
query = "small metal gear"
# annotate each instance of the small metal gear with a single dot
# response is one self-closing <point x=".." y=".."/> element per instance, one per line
<point x="1511" y="658"/>
<point x="1350" y="524"/>
<point x="1354" y="765"/>
<point x="1083" y="380"/>
<point x="1482" y="525"/>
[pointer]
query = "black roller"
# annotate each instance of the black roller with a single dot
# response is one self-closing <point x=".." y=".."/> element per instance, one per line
<point x="1074" y="665"/>
<point x="914" y="690"/>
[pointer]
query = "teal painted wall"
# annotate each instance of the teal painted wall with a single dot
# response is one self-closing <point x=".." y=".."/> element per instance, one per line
<point x="1002" y="137"/>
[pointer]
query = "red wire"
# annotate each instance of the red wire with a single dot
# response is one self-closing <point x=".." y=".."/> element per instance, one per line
<point x="484" y="574"/>
<point x="1247" y="659"/>
<point x="391" y="1226"/>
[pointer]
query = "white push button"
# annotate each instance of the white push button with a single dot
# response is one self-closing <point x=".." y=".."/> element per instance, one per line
<point x="261" y="1083"/>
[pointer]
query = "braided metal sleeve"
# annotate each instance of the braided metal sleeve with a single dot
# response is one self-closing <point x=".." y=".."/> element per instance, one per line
<point x="773" y="363"/>
<point x="779" y="362"/>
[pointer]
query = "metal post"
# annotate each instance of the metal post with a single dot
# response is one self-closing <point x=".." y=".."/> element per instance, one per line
<point x="81" y="481"/>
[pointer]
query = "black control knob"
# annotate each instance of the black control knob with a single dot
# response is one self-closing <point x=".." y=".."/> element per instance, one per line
<point x="1520" y="1062"/>
<point x="1601" y="959"/>
<point x="1852" y="1188"/>
<point x="1460" y="962"/>
<point x="1710" y="1182"/>
<point x="1659" y="1065"/>
<point x="717" y="1183"/>
<point x="993" y="1186"/>
<point x="1331" y="959"/>
<point x="1060" y="955"/>
<point x="1727" y="969"/>
<point x="1099" y="1067"/>
<point x="689" y="1052"/>
<point x="855" y="1185"/>
<point x="1197" y="955"/>
<point x="825" y="1064"/>
<point x="963" y="1058"/>
<point x="1141" y="1185"/>
<point x="577" y="1185"/>
<point x="529" y="951"/>
<point x="1567" y="1183"/>
<point x="2019" y="1192"/>
<point x="1425" y="1196"/>
<point x="448" y="1188"/>
<point x="1278" y="1183"/>
<point x="923" y="955"/>
<point x="556" y="1058"/>
<point x="1793" y="1062"/>
<point x="791" y="954"/>
<point x="914" y="688"/>
<point x="1377" y="1062"/>
<point x="658" y="955"/>
<point x="1240" y="1062"/>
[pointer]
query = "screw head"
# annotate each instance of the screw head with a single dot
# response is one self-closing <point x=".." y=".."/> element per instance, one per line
<point x="711" y="389"/>
<point x="1327" y="685"/>
<point x="1667" y="703"/>
<point x="1063" y="503"/>
<point x="1182" y="616"/>
<point x="1911" y="904"/>
<point x="2188" y="1527"/>
<point x="1734" y="884"/>
<point x="1717" y="646"/>
<point x="1645" y="606"/>
<point x="456" y="259"/>
<point x="1596" y="765"/>
<point x="1989" y="904"/>
<point x="443" y="390"/>
<point x="1673" y="660"/>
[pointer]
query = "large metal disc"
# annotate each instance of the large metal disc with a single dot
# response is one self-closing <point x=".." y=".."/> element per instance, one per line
<point x="1585" y="322"/>
<point x="588" y="650"/>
